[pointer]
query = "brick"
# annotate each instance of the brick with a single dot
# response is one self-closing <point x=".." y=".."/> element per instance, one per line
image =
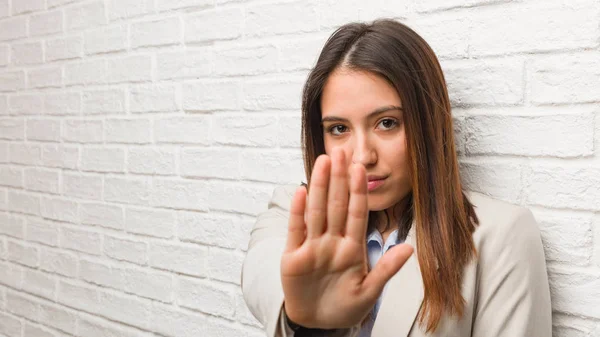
<point x="155" y="161"/>
<point x="13" y="28"/>
<point x="567" y="135"/>
<point x="11" y="275"/>
<point x="12" y="128"/>
<point x="27" y="53"/>
<point x="575" y="293"/>
<point x="59" y="209"/>
<point x="211" y="96"/>
<point x="43" y="130"/>
<point x="83" y="131"/>
<point x="63" y="103"/>
<point x="189" y="64"/>
<point x="150" y="222"/>
<point x="11" y="176"/>
<point x="127" y="190"/>
<point x="437" y="5"/>
<point x="562" y="187"/>
<point x="3" y="152"/>
<point x="485" y="83"/>
<point x="81" y="240"/>
<point x="106" y="40"/>
<point x="45" y="77"/>
<point x="92" y="327"/>
<point x="125" y="250"/>
<point x="209" y="229"/>
<point x="59" y="262"/>
<point x="285" y="18"/>
<point x="39" y="284"/>
<point x="185" y="259"/>
<point x="22" y="305"/>
<point x="210" y="25"/>
<point x="211" y="163"/>
<point x="58" y="318"/>
<point x="66" y="48"/>
<point x="25" y="105"/>
<point x="236" y="197"/>
<point x="242" y="313"/>
<point x="502" y="180"/>
<point x="149" y="284"/>
<point x="42" y="180"/>
<point x="42" y="232"/>
<point x="248" y="131"/>
<point x="60" y="156"/>
<point x="109" y="101"/>
<point x="128" y="131"/>
<point x="565" y="78"/>
<point x="192" y="130"/>
<point x="25" y="6"/>
<point x="82" y="186"/>
<point x="86" y="15"/>
<point x="103" y="159"/>
<point x="25" y="153"/>
<point x="179" y="194"/>
<point x="87" y="72"/>
<point x="101" y="274"/>
<point x="300" y="53"/>
<point x="46" y="23"/>
<point x="165" y="5"/>
<point x="567" y="237"/>
<point x="12" y="225"/>
<point x="384" y="8"/>
<point x="23" y="203"/>
<point x="36" y="330"/>
<point x="271" y="166"/>
<point x="130" y="69"/>
<point x="156" y="33"/>
<point x="4" y="55"/>
<point x="103" y="215"/>
<point x="289" y="131"/>
<point x="24" y="254"/>
<point x="170" y="321"/>
<point x="225" y="265"/>
<point x="3" y="199"/>
<point x="10" y="325"/>
<point x="532" y="28"/>
<point x="272" y="94"/>
<point x="4" y="9"/>
<point x="12" y="80"/>
<point x="206" y="297"/>
<point x="255" y="60"/>
<point x="153" y="98"/>
<point x="121" y="9"/>
<point x="56" y="3"/>
<point x="333" y="14"/>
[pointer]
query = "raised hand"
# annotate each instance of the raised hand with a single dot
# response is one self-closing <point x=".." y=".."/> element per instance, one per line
<point x="324" y="272"/>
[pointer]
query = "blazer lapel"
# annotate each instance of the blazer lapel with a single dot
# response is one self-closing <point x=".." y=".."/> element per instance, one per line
<point x="402" y="299"/>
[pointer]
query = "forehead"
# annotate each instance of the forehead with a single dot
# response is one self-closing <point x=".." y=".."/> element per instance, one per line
<point x="354" y="94"/>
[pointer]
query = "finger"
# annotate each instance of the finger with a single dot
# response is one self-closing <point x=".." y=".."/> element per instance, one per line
<point x="386" y="267"/>
<point x="296" y="225"/>
<point x="317" y="198"/>
<point x="337" y="198"/>
<point x="358" y="211"/>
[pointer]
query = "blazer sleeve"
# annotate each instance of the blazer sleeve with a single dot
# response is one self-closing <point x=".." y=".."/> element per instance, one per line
<point x="513" y="295"/>
<point x="261" y="269"/>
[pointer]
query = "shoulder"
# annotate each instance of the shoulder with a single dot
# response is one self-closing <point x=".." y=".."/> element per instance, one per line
<point x="504" y="228"/>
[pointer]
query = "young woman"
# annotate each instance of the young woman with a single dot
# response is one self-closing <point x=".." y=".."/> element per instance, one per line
<point x="384" y="241"/>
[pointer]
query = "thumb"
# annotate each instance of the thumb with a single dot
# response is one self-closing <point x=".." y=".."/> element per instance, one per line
<point x="387" y="266"/>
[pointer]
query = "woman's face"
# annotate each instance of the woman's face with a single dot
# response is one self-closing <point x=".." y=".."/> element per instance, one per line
<point x="376" y="140"/>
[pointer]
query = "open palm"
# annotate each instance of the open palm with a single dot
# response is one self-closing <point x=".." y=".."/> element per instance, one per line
<point x="324" y="272"/>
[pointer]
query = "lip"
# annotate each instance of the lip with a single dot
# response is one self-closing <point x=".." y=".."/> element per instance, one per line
<point x="375" y="183"/>
<point x="374" y="177"/>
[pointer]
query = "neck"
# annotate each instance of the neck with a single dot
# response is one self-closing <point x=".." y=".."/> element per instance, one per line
<point x="388" y="218"/>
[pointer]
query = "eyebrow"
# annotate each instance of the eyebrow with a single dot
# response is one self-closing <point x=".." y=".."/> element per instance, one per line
<point x="375" y="112"/>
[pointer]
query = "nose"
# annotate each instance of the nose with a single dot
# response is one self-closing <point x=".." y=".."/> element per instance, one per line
<point x="363" y="152"/>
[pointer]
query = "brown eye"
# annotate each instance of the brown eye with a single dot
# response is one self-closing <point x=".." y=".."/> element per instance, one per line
<point x="388" y="123"/>
<point x="336" y="130"/>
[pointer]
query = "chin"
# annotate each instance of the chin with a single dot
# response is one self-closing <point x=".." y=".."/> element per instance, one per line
<point x="377" y="203"/>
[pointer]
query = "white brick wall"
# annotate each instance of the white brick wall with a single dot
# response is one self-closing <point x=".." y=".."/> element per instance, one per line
<point x="140" y="138"/>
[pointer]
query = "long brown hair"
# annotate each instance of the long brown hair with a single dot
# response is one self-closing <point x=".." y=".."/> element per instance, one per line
<point x="444" y="218"/>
